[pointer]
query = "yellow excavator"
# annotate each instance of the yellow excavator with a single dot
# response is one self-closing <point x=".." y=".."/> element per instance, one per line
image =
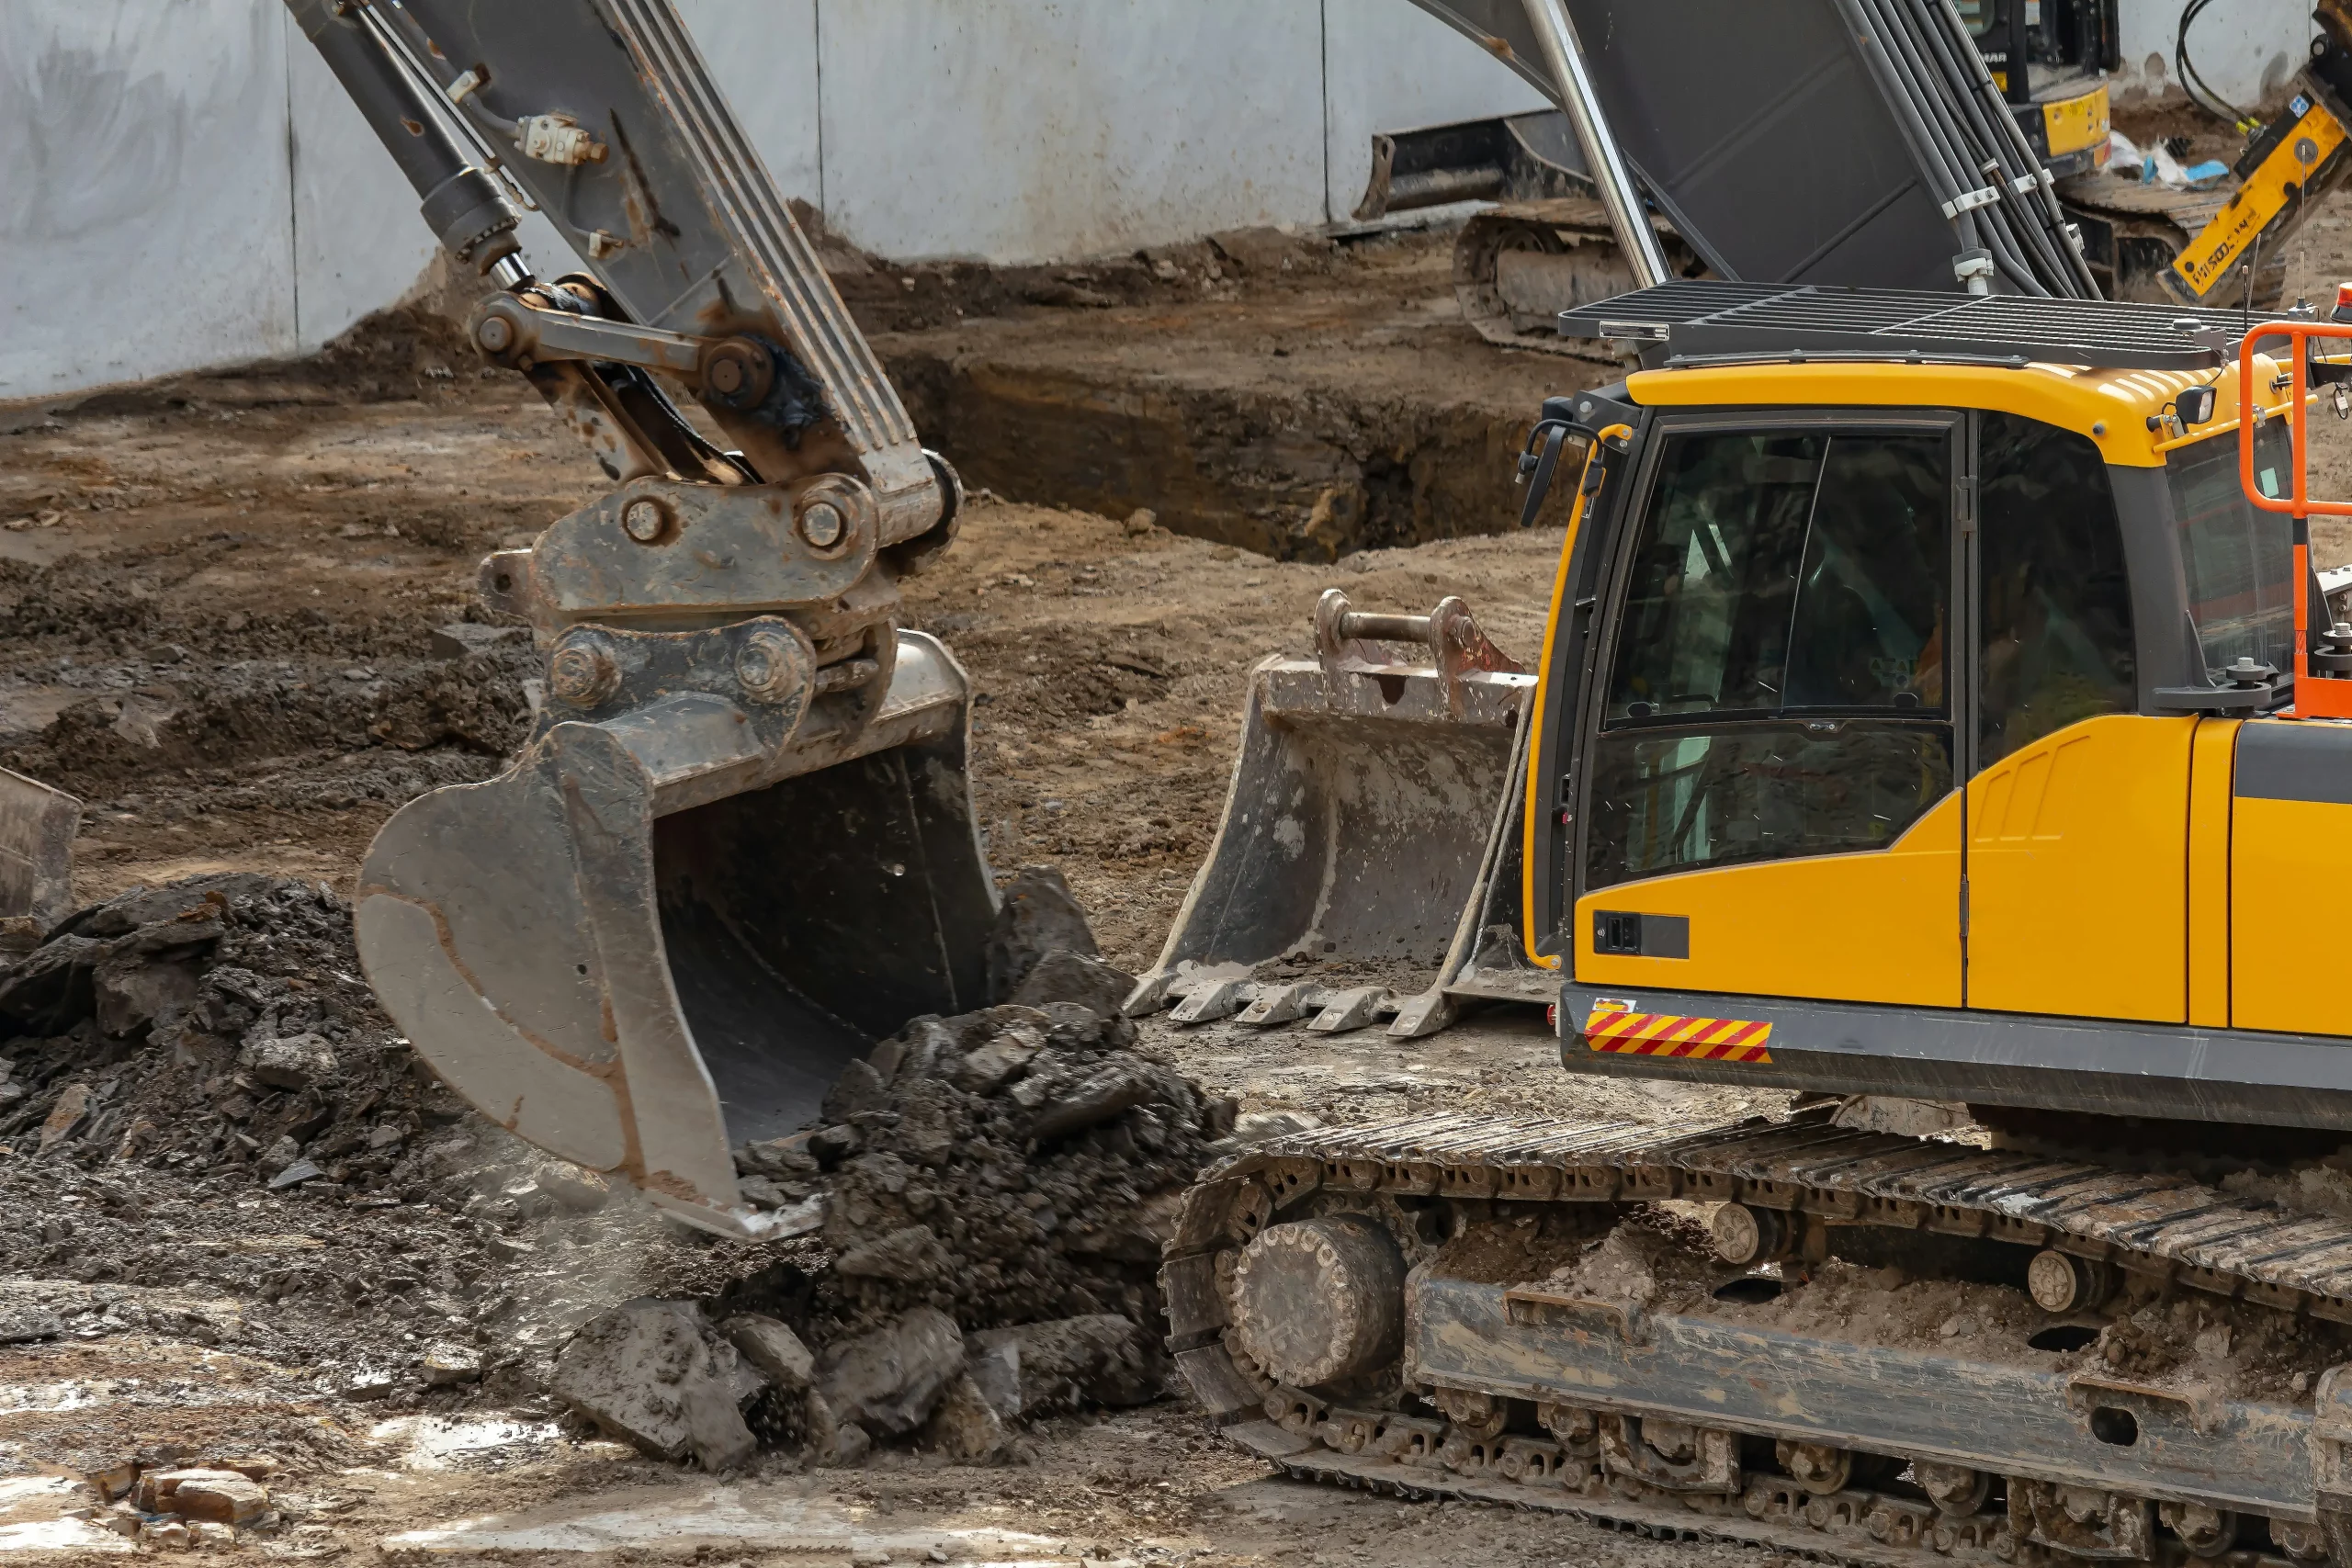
<point x="1936" y="705"/>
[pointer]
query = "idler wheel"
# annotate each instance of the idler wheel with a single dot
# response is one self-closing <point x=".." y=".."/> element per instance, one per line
<point x="1318" y="1299"/>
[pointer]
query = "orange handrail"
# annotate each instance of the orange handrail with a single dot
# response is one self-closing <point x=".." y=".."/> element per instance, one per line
<point x="2315" y="697"/>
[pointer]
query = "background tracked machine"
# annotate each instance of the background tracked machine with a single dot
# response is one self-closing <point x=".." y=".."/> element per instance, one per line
<point x="1848" y="141"/>
<point x="1937" y="704"/>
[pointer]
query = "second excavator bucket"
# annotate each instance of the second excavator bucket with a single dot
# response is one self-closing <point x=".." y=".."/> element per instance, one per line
<point x="1369" y="834"/>
<point x="641" y="947"/>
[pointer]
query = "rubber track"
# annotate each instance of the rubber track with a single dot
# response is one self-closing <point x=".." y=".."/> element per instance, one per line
<point x="2168" y="1226"/>
<point x="2165" y="1226"/>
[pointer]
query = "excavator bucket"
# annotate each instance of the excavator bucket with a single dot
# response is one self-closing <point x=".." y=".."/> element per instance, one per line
<point x="638" y="973"/>
<point x="1369" y="835"/>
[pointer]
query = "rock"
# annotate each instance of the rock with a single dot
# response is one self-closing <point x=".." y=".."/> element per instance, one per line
<point x="964" y="1424"/>
<point x="907" y="1256"/>
<point x="19" y="1324"/>
<point x="784" y="1159"/>
<point x="890" y="1379"/>
<point x="773" y="1348"/>
<point x="1099" y="1358"/>
<point x="368" y="1384"/>
<point x="1265" y="251"/>
<point x="1097" y="1099"/>
<point x="130" y="992"/>
<point x="445" y="1366"/>
<point x="653" y="1374"/>
<point x="1062" y="976"/>
<point x="72" y="1104"/>
<point x="221" y="1497"/>
<point x="999" y="1062"/>
<point x="580" y="1189"/>
<point x="995" y="1370"/>
<point x="113" y="1477"/>
<point x="833" y="1442"/>
<point x="51" y="989"/>
<point x="859" y="1088"/>
<point x="201" y="1493"/>
<point x="1036" y="916"/>
<point x="294" y="1061"/>
<point x="294" y="1175"/>
<point x="460" y="638"/>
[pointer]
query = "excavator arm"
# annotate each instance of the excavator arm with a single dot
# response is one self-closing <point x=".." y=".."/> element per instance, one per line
<point x="739" y="845"/>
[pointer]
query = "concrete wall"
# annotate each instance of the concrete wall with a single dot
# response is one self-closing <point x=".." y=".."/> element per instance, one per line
<point x="2246" y="50"/>
<point x="182" y="183"/>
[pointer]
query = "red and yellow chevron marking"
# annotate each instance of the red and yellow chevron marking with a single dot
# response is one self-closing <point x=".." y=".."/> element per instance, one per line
<point x="1665" y="1034"/>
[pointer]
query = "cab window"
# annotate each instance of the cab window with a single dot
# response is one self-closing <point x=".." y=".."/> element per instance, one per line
<point x="2055" y="613"/>
<point x="1779" y="685"/>
<point x="2239" y="560"/>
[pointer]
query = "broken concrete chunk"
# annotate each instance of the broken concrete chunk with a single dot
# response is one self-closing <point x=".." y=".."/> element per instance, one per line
<point x="784" y="1158"/>
<point x="18" y="1323"/>
<point x="292" y="1061"/>
<point x="773" y="1348"/>
<point x="890" y="1379"/>
<point x="1096" y="1098"/>
<point x="995" y="1370"/>
<point x="1100" y="1357"/>
<point x="460" y="638"/>
<point x="653" y="1375"/>
<point x="444" y="1366"/>
<point x="1036" y="916"/>
<point x="113" y="1476"/>
<point x="576" y="1188"/>
<point x="908" y="1256"/>
<point x="225" y="1496"/>
<point x="72" y="1104"/>
<point x="1000" y="1061"/>
<point x="1074" y="977"/>
<point x="964" y="1424"/>
<point x="217" y="1496"/>
<point x="130" y="992"/>
<point x="859" y="1088"/>
<point x="833" y="1442"/>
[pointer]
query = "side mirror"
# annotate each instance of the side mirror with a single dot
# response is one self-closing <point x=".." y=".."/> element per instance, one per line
<point x="2195" y="405"/>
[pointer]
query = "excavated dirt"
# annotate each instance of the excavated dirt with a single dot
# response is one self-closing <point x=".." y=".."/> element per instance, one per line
<point x="220" y="596"/>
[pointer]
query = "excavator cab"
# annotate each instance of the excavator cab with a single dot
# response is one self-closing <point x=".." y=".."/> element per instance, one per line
<point x="1922" y="679"/>
<point x="740" y="844"/>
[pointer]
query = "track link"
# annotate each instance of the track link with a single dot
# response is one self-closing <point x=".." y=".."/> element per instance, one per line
<point x="1579" y="1365"/>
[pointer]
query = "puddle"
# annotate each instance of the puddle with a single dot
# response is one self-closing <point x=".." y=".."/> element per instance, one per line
<point x="430" y="1442"/>
<point x="677" y="1523"/>
<point x="29" y="1521"/>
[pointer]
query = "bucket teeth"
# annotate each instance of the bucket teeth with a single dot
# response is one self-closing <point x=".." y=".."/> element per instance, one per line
<point x="1283" y="1004"/>
<point x="1343" y="1010"/>
<point x="1211" y="999"/>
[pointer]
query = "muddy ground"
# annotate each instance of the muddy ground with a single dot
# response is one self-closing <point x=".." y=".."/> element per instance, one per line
<point x="219" y="597"/>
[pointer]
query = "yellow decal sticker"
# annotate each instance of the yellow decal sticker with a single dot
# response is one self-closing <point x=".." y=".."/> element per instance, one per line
<point x="1669" y="1034"/>
<point x="2265" y="193"/>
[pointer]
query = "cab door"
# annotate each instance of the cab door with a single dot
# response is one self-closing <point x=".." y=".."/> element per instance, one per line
<point x="1768" y="802"/>
<point x="2077" y="854"/>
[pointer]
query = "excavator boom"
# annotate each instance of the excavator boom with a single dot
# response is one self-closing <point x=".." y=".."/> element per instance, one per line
<point x="739" y="845"/>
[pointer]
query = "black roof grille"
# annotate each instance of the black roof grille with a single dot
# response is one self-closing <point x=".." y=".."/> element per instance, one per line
<point x="1691" y="323"/>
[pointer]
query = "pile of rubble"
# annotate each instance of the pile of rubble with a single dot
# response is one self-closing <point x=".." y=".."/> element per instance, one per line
<point x="996" y="1188"/>
<point x="993" y="1187"/>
